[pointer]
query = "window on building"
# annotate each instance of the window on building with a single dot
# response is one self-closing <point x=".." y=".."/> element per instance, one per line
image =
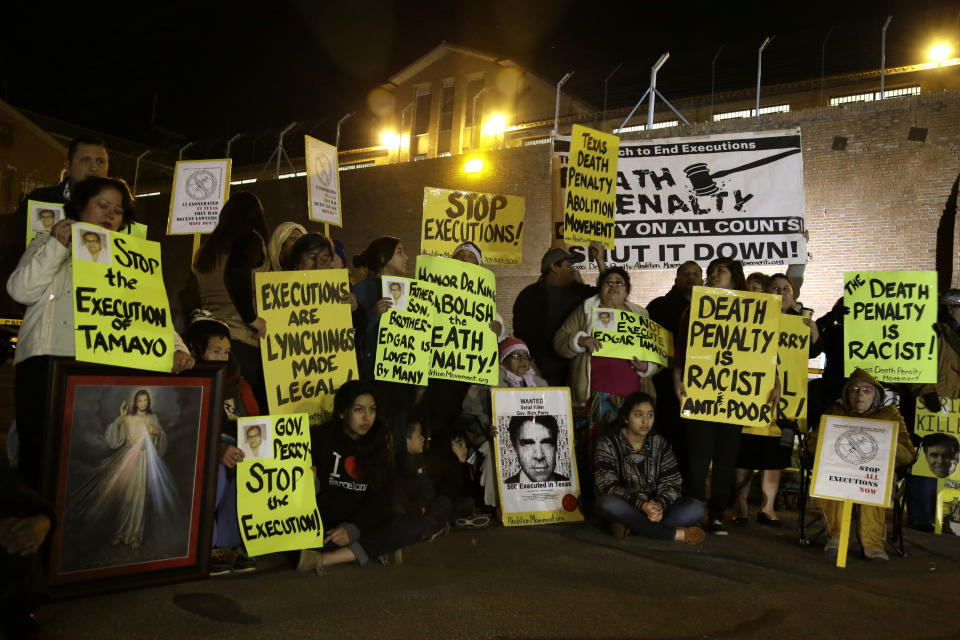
<point x="643" y="127"/>
<point x="870" y="96"/>
<point x="749" y="113"/>
<point x="529" y="142"/>
<point x="446" y="117"/>
<point x="421" y="115"/>
<point x="357" y="165"/>
<point x="474" y="86"/>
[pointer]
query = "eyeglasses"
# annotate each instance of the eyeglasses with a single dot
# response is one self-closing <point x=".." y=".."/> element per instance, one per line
<point x="518" y="356"/>
<point x="861" y="390"/>
<point x="616" y="284"/>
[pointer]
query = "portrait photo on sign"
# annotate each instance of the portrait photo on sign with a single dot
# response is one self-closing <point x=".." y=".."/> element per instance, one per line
<point x="44" y="216"/>
<point x="396" y="289"/>
<point x="939" y="455"/>
<point x="536" y="451"/>
<point x="255" y="438"/>
<point x="604" y="319"/>
<point x="131" y="473"/>
<point x="91" y="245"/>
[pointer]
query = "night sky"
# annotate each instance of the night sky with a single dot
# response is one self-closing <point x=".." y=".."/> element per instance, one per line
<point x="218" y="69"/>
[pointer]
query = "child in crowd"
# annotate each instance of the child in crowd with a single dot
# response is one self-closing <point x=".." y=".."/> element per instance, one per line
<point x="637" y="479"/>
<point x="209" y="341"/>
<point x="354" y="464"/>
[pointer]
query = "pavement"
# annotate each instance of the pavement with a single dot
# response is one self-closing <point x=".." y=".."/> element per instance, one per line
<point x="558" y="581"/>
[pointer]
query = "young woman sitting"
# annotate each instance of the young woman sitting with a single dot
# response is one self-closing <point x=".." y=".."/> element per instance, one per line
<point x="638" y="482"/>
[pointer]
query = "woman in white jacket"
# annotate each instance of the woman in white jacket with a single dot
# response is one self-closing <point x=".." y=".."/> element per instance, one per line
<point x="43" y="282"/>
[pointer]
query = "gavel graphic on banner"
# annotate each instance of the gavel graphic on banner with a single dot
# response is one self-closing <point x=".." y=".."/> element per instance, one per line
<point x="703" y="182"/>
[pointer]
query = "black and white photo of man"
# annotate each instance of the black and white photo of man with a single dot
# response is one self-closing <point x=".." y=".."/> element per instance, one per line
<point x="534" y="440"/>
<point x="942" y="452"/>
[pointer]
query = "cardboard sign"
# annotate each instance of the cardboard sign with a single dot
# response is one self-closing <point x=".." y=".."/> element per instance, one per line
<point x="855" y="460"/>
<point x="323" y="181"/>
<point x="793" y="358"/>
<point x="463" y="347"/>
<point x="308" y="350"/>
<point x="492" y="221"/>
<point x="536" y="463"/>
<point x="889" y="331"/>
<point x="940" y="447"/>
<point x="137" y="230"/>
<point x="200" y="189"/>
<point x="591" y="179"/>
<point x="731" y="356"/>
<point x="41" y="216"/>
<point x="403" y="348"/>
<point x="276" y="499"/>
<point x="627" y="335"/>
<point x="737" y="195"/>
<point x="121" y="313"/>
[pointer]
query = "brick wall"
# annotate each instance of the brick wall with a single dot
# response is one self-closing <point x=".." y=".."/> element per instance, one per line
<point x="876" y="205"/>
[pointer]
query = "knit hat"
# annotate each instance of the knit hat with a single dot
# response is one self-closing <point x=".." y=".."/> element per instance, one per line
<point x="470" y="248"/>
<point x="510" y="345"/>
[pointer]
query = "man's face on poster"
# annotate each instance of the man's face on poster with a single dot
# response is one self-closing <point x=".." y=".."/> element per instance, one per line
<point x="46" y="218"/>
<point x="537" y="451"/>
<point x="92" y="241"/>
<point x="254" y="437"/>
<point x="942" y="460"/>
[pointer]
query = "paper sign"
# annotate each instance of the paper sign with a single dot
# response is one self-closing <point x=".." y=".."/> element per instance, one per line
<point x="855" y="460"/>
<point x="735" y="195"/>
<point x="627" y="335"/>
<point x="793" y="357"/>
<point x="463" y="346"/>
<point x="591" y="183"/>
<point x="403" y="348"/>
<point x="323" y="182"/>
<point x="889" y="330"/>
<point x="200" y="189"/>
<point x="492" y="221"/>
<point x="41" y="216"/>
<point x="397" y="289"/>
<point x="308" y="350"/>
<point x="731" y="356"/>
<point x="137" y="230"/>
<point x="276" y="499"/>
<point x="940" y="447"/>
<point x="536" y="463"/>
<point x="121" y="312"/>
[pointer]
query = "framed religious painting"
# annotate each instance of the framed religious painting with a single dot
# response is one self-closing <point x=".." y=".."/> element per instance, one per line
<point x="131" y="462"/>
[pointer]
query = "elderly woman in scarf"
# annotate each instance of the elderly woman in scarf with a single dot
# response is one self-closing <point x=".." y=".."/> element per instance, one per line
<point x="863" y="397"/>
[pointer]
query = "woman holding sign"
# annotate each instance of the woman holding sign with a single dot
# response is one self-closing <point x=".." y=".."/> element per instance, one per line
<point x="598" y="385"/>
<point x="43" y="282"/>
<point x="770" y="454"/>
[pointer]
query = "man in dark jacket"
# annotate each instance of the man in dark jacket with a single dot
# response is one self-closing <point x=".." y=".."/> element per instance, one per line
<point x="667" y="310"/>
<point x="542" y="307"/>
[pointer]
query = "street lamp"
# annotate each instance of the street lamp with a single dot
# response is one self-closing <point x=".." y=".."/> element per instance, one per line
<point x="939" y="52"/>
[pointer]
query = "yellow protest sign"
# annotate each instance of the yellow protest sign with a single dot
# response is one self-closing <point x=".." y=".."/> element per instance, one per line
<point x="627" y="335"/>
<point x="492" y="221"/>
<point x="940" y="447"/>
<point x="793" y="356"/>
<point x="41" y="216"/>
<point x="276" y="500"/>
<point x="121" y="313"/>
<point x="308" y="350"/>
<point x="889" y="330"/>
<point x="403" y="348"/>
<point x="731" y="356"/>
<point x="463" y="346"/>
<point x="137" y="230"/>
<point x="323" y="181"/>
<point x="590" y="202"/>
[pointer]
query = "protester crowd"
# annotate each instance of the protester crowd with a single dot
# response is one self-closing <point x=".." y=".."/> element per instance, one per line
<point x="426" y="454"/>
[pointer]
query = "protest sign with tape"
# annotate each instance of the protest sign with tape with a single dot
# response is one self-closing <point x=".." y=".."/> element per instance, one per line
<point x="463" y="346"/>
<point x="731" y="356"/>
<point x="276" y="499"/>
<point x="323" y="181"/>
<point x="627" y="335"/>
<point x="492" y="221"/>
<point x="889" y="330"/>
<point x="200" y="189"/>
<point x="308" y="350"/>
<point x="121" y="311"/>
<point x="591" y="181"/>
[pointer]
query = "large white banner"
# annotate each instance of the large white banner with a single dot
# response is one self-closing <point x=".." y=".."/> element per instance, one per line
<point x="855" y="460"/>
<point x="737" y="195"/>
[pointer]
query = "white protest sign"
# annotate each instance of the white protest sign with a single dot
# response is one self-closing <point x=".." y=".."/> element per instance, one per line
<point x="200" y="189"/>
<point x="323" y="181"/>
<point x="855" y="460"/>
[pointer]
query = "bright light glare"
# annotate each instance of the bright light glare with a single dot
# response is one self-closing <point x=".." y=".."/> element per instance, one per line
<point x="389" y="139"/>
<point x="495" y="125"/>
<point x="474" y="165"/>
<point x="939" y="52"/>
